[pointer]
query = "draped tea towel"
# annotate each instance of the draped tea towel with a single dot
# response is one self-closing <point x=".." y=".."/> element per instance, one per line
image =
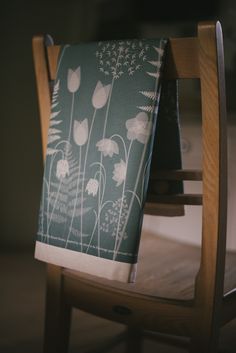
<point x="103" y="115"/>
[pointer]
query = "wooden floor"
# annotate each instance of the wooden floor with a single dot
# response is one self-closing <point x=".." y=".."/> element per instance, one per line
<point x="22" y="308"/>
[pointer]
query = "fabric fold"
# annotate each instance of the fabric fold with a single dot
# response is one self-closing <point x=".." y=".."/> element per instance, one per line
<point x="104" y="112"/>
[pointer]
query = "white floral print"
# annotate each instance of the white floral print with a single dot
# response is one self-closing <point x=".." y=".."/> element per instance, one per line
<point x="139" y="128"/>
<point x="121" y="57"/>
<point x="80" y="132"/>
<point x="108" y="147"/>
<point x="92" y="187"/>
<point x="119" y="172"/>
<point x="100" y="95"/>
<point x="73" y="80"/>
<point x="78" y="184"/>
<point x="62" y="168"/>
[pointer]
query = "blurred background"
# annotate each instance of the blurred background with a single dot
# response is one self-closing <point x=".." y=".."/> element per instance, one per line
<point x="23" y="278"/>
<point x="75" y="21"/>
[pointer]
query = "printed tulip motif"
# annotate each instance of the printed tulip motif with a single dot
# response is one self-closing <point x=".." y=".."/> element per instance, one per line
<point x="90" y="195"/>
<point x="119" y="172"/>
<point x="92" y="187"/>
<point x="100" y="95"/>
<point x="62" y="168"/>
<point x="80" y="132"/>
<point x="73" y="80"/>
<point x="108" y="147"/>
<point x="139" y="128"/>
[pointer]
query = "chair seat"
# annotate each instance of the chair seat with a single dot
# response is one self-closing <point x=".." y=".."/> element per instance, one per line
<point x="166" y="269"/>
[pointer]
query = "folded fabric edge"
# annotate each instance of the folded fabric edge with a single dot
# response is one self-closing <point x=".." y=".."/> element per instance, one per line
<point x="97" y="266"/>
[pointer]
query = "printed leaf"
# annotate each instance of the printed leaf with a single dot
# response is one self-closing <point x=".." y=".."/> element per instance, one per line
<point x="52" y="138"/>
<point x="59" y="205"/>
<point x="60" y="196"/>
<point x="56" y="86"/>
<point x="77" y="233"/>
<point x="149" y="94"/>
<point x="158" y="50"/>
<point x="51" y="151"/>
<point x="54" y="105"/>
<point x="154" y="74"/>
<point x="72" y="202"/>
<point x="147" y="108"/>
<point x="53" y="114"/>
<point x="54" y="99"/>
<point x="79" y="211"/>
<point x="155" y="63"/>
<point x="54" y="122"/>
<point x="53" y="131"/>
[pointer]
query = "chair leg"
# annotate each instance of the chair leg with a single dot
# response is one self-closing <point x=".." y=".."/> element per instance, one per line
<point x="205" y="339"/>
<point x="57" y="314"/>
<point x="134" y="340"/>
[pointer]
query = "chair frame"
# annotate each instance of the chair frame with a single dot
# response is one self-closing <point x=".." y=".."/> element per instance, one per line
<point x="199" y="57"/>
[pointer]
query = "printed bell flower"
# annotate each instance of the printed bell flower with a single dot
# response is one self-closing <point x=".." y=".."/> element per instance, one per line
<point x="119" y="172"/>
<point x="100" y="95"/>
<point x="139" y="128"/>
<point x="80" y="132"/>
<point x="73" y="80"/>
<point x="108" y="147"/>
<point x="62" y="169"/>
<point x="92" y="187"/>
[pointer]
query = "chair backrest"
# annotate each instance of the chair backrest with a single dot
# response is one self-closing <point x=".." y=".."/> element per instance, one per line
<point x="201" y="58"/>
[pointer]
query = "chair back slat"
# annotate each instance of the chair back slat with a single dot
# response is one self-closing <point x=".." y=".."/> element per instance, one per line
<point x="177" y="199"/>
<point x="177" y="174"/>
<point x="182" y="59"/>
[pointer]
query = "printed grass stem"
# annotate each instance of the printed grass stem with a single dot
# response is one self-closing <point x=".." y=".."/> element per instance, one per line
<point x="74" y="208"/>
<point x="127" y="153"/>
<point x="117" y="247"/>
<point x="84" y="169"/>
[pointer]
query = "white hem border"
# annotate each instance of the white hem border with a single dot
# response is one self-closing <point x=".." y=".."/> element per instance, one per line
<point x="93" y="265"/>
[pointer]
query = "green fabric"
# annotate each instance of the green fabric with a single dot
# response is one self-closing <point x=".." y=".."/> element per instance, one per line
<point x="104" y="108"/>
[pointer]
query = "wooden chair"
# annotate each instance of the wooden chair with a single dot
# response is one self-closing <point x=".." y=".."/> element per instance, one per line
<point x="180" y="290"/>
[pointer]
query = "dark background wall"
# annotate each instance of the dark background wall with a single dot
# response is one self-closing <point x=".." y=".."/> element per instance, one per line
<point x="73" y="21"/>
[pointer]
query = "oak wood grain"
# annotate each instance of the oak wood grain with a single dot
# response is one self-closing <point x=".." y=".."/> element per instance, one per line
<point x="209" y="283"/>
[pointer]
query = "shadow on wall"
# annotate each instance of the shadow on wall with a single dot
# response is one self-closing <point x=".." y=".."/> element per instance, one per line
<point x="70" y="21"/>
